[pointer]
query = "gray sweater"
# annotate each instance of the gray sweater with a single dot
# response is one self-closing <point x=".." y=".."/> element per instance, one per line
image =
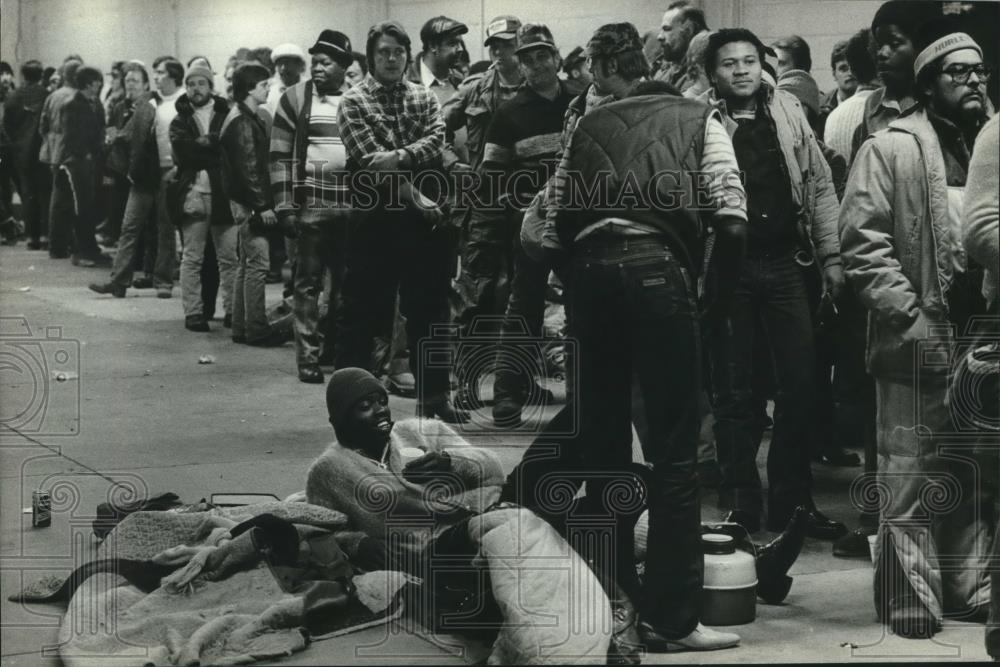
<point x="380" y="503"/>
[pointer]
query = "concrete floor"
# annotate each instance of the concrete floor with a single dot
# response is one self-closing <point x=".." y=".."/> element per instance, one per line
<point x="120" y="397"/>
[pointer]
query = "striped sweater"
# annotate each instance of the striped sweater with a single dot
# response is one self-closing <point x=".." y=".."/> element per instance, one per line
<point x="298" y="136"/>
<point x="525" y="136"/>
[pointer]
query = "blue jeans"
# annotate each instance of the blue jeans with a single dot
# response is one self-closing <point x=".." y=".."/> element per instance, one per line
<point x="249" y="285"/>
<point x="634" y="315"/>
<point x="772" y="292"/>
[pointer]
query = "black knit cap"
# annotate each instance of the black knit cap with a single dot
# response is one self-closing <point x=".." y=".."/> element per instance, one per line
<point x="614" y="38"/>
<point x="335" y="44"/>
<point x="347" y="386"/>
<point x="906" y="15"/>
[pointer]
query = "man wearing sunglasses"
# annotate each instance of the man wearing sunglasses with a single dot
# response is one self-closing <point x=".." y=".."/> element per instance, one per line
<point x="901" y="242"/>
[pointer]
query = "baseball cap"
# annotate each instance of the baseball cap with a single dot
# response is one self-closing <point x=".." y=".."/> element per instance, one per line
<point x="502" y="27"/>
<point x="534" y="35"/>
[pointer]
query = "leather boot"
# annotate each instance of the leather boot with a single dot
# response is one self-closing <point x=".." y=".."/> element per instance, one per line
<point x="776" y="557"/>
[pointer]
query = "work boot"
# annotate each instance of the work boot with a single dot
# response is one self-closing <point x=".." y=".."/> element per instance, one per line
<point x="196" y="323"/>
<point x="909" y="618"/>
<point x="854" y="544"/>
<point x="274" y="338"/>
<point x="311" y="374"/>
<point x="114" y="290"/>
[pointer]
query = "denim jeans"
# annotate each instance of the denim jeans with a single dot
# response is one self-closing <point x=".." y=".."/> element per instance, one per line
<point x="634" y="313"/>
<point x="249" y="286"/>
<point x="135" y="223"/>
<point x="195" y="226"/>
<point x="771" y="292"/>
<point x="321" y="250"/>
<point x="166" y="238"/>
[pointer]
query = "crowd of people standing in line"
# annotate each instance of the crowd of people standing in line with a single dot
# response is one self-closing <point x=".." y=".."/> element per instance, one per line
<point x="861" y="222"/>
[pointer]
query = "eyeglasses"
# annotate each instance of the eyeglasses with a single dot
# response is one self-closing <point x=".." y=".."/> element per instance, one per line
<point x="960" y="73"/>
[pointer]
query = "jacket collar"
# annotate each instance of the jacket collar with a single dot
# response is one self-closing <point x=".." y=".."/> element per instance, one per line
<point x="185" y="108"/>
<point x="765" y="96"/>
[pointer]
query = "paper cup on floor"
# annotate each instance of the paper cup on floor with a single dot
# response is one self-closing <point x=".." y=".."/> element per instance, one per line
<point x="410" y="454"/>
<point x="873" y="546"/>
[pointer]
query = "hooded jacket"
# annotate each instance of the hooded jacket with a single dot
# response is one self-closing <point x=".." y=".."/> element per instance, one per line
<point x="898" y="243"/>
<point x="192" y="157"/>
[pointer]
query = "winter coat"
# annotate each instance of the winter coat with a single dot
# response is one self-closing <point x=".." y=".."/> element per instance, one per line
<point x="51" y="126"/>
<point x="22" y="111"/>
<point x="246" y="146"/>
<point x="981" y="224"/>
<point x="192" y="157"/>
<point x="133" y="152"/>
<point x="473" y="108"/>
<point x="898" y="243"/>
<point x="614" y="141"/>
<point x="808" y="172"/>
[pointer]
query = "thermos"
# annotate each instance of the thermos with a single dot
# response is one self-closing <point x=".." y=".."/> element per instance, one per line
<point x="729" y="592"/>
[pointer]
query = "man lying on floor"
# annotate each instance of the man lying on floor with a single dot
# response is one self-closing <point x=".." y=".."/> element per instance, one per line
<point x="432" y="499"/>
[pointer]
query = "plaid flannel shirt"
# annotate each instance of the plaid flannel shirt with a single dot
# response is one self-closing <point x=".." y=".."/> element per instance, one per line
<point x="374" y="118"/>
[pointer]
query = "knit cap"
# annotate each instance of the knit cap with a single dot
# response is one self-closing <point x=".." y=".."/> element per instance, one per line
<point x="347" y="386"/>
<point x="199" y="70"/>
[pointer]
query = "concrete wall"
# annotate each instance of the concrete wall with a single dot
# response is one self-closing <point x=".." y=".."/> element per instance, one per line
<point x="106" y="30"/>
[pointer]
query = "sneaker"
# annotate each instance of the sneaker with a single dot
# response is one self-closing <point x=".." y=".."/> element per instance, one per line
<point x="701" y="639"/>
<point x="114" y="290"/>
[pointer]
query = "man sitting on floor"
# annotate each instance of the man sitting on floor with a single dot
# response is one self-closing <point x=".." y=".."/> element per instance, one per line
<point x="432" y="499"/>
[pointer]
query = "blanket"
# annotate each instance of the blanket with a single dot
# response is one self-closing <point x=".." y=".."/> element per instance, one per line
<point x="244" y="615"/>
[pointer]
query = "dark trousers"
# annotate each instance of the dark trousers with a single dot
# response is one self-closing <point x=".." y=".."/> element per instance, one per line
<point x="634" y="314"/>
<point x="71" y="213"/>
<point x="390" y="253"/>
<point x="771" y="290"/>
<point x="522" y="322"/>
<point x="34" y="184"/>
<point x="117" y="202"/>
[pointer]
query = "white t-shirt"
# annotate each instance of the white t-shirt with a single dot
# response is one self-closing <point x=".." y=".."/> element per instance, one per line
<point x="166" y="110"/>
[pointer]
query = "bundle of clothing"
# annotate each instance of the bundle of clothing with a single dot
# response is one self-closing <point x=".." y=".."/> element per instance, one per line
<point x="226" y="586"/>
